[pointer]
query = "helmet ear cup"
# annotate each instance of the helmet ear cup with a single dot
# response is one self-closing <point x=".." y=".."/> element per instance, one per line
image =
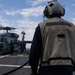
<point x="46" y="12"/>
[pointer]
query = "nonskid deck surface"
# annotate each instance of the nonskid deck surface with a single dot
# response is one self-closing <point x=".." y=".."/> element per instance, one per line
<point x="10" y="62"/>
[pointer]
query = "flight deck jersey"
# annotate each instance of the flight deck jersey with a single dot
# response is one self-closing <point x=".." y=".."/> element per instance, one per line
<point x="58" y="37"/>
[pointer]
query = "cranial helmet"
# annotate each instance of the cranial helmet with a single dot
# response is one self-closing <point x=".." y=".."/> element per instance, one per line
<point x="54" y="8"/>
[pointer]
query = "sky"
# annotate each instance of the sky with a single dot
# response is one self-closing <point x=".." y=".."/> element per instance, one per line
<point x="24" y="15"/>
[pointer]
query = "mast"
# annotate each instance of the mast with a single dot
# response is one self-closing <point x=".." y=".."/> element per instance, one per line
<point x="23" y="35"/>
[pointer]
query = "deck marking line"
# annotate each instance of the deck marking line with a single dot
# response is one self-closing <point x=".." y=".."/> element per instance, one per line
<point x="4" y="56"/>
<point x="3" y="65"/>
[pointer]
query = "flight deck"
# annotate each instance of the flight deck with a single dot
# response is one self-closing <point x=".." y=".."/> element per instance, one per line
<point x="10" y="62"/>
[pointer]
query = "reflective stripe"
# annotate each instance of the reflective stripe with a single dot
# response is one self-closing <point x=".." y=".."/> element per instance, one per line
<point x="57" y="23"/>
<point x="58" y="61"/>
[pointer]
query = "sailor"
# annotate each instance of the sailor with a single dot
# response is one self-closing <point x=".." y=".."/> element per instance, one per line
<point x="1" y="46"/>
<point x="11" y="47"/>
<point x="53" y="45"/>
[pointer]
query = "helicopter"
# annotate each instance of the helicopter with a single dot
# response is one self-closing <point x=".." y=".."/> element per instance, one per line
<point x="6" y="38"/>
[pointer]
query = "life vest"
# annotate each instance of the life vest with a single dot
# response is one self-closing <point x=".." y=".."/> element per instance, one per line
<point x="58" y="43"/>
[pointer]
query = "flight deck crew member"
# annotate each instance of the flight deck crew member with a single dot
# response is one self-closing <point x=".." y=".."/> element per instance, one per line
<point x="53" y="46"/>
<point x="11" y="47"/>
